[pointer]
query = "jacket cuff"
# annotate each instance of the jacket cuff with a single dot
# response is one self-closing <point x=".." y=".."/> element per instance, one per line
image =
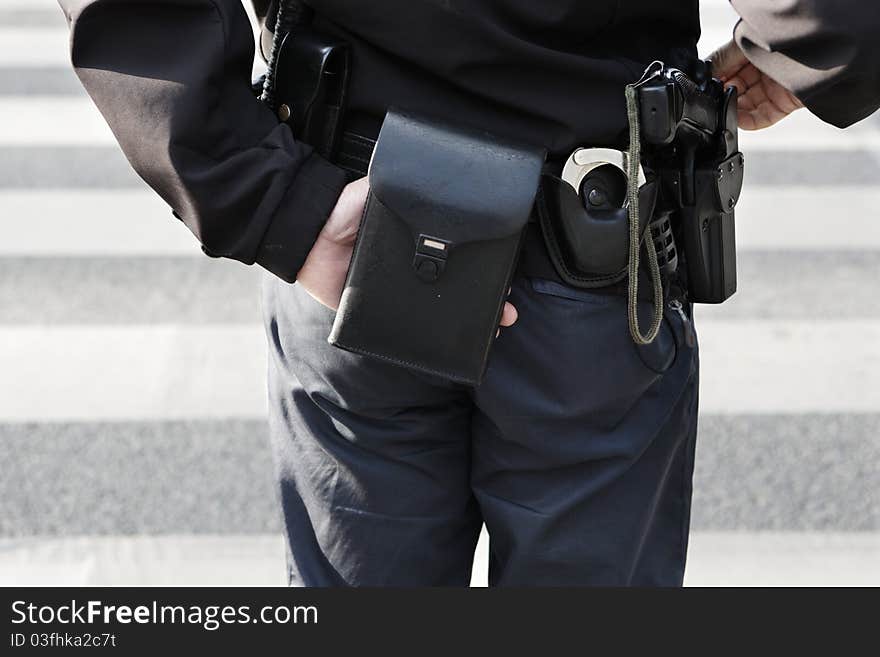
<point x="800" y="80"/>
<point x="300" y="216"/>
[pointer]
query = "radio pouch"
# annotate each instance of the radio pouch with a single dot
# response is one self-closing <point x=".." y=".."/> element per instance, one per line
<point x="437" y="246"/>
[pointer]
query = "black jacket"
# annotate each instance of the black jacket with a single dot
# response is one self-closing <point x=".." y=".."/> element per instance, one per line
<point x="827" y="52"/>
<point x="172" y="78"/>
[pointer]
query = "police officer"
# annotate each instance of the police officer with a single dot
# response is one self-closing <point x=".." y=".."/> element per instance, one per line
<point x="577" y="450"/>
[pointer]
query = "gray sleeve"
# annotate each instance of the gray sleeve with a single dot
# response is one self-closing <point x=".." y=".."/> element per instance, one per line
<point x="172" y="79"/>
<point x="826" y="52"/>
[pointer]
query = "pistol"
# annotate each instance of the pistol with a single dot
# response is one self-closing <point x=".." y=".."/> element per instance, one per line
<point x="690" y="132"/>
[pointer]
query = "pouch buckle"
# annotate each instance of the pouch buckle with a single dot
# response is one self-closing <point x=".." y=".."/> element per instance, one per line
<point x="430" y="258"/>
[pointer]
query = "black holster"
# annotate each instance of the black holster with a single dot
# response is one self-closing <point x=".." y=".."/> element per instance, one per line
<point x="311" y="88"/>
<point x="306" y="82"/>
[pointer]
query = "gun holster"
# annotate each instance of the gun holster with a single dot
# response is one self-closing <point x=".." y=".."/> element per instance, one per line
<point x="690" y="130"/>
<point x="708" y="225"/>
<point x="311" y="84"/>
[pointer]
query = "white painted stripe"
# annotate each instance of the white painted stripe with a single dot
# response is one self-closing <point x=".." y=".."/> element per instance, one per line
<point x="52" y="121"/>
<point x="188" y="560"/>
<point x="32" y="46"/>
<point x="92" y="373"/>
<point x="789" y="366"/>
<point x="806" y="218"/>
<point x="710" y="10"/>
<point x="99" y="373"/>
<point x="714" y="559"/>
<point x="98" y="223"/>
<point x="783" y="559"/>
<point x="803" y="131"/>
<point x="716" y="33"/>
<point x="127" y="223"/>
<point x="717" y="19"/>
<point x="48" y="5"/>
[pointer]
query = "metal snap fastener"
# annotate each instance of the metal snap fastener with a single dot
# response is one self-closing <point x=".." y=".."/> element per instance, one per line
<point x="428" y="270"/>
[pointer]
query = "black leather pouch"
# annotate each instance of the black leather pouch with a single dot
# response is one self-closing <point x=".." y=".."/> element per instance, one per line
<point x="437" y="246"/>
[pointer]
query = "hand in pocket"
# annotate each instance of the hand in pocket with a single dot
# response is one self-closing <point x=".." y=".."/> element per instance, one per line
<point x="325" y="268"/>
<point x="323" y="273"/>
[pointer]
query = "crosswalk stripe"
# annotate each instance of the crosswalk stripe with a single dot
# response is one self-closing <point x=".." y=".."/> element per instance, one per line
<point x="717" y="20"/>
<point x="30" y="17"/>
<point x="136" y="222"/>
<point x="104" y="167"/>
<point x="783" y="559"/>
<point x="802" y="131"/>
<point x="36" y="120"/>
<point x="217" y="476"/>
<point x="168" y="372"/>
<point x="181" y="560"/>
<point x="186" y="290"/>
<point x="799" y="366"/>
<point x="714" y="559"/>
<point x="808" y="218"/>
<point x="31" y="46"/>
<point x="52" y="121"/>
<point x="18" y="82"/>
<point x="45" y="5"/>
<point x="108" y="222"/>
<point x="81" y="373"/>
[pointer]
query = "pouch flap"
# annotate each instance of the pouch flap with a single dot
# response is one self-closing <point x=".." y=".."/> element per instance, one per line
<point x="454" y="184"/>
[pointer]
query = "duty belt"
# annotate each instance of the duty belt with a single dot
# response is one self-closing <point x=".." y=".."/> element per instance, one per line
<point x="353" y="155"/>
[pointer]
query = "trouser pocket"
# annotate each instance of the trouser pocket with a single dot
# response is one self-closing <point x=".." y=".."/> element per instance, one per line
<point x="657" y="357"/>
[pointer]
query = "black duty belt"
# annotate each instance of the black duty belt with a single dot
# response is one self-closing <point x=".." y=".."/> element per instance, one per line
<point x="355" y="151"/>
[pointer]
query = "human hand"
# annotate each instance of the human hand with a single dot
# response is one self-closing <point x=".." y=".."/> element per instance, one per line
<point x="762" y="100"/>
<point x="324" y="271"/>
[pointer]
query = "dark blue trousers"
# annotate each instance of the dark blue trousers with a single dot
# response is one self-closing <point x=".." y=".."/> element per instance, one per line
<point x="577" y="451"/>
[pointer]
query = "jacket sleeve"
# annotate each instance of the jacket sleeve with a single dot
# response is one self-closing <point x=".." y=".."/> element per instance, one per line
<point x="826" y="52"/>
<point x="172" y="79"/>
